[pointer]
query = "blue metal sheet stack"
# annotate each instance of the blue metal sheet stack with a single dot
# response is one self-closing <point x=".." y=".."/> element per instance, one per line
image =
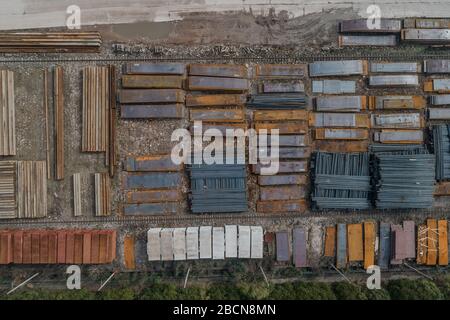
<point x="405" y="179"/>
<point x="341" y="181"/>
<point x="218" y="188"/>
<point x="441" y="139"/>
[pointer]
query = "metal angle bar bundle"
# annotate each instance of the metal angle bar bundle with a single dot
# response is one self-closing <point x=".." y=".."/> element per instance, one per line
<point x="50" y="42"/>
<point x="341" y="181"/>
<point x="7" y="114"/>
<point x="102" y="194"/>
<point x="277" y="101"/>
<point x="8" y="190"/>
<point x="58" y="100"/>
<point x="218" y="188"/>
<point x="31" y="189"/>
<point x="441" y="140"/>
<point x="404" y="179"/>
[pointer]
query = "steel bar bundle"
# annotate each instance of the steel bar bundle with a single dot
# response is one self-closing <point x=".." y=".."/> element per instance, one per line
<point x="63" y="246"/>
<point x="31" y="189"/>
<point x="50" y="42"/>
<point x="7" y="114"/>
<point x="341" y="181"/>
<point x="58" y="101"/>
<point x="96" y="108"/>
<point x="8" y="190"/>
<point x="102" y="194"/>
<point x="404" y="179"/>
<point x="441" y="139"/>
<point x="218" y="188"/>
<point x="277" y="101"/>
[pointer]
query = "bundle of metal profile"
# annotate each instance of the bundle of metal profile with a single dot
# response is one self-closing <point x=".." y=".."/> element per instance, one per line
<point x="441" y="139"/>
<point x="218" y="188"/>
<point x="277" y="101"/>
<point x="379" y="147"/>
<point x="341" y="181"/>
<point x="50" y="41"/>
<point x="405" y="179"/>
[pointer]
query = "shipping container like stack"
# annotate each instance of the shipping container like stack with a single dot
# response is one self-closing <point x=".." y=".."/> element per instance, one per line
<point x="281" y="105"/>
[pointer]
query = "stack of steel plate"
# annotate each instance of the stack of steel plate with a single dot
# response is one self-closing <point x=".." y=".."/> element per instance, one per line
<point x="341" y="181"/>
<point x="359" y="32"/>
<point x="405" y="179"/>
<point x="218" y="188"/>
<point x="441" y="139"/>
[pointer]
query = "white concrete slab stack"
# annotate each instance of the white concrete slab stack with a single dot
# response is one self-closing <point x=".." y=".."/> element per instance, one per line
<point x="179" y="244"/>
<point x="256" y="242"/>
<point x="153" y="244"/>
<point x="192" y="243"/>
<point x="167" y="244"/>
<point x="218" y="243"/>
<point x="231" y="241"/>
<point x="205" y="242"/>
<point x="244" y="242"/>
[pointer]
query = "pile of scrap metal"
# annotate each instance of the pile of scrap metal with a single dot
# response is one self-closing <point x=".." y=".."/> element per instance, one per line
<point x="404" y="179"/>
<point x="218" y="188"/>
<point x="63" y="246"/>
<point x="63" y="42"/>
<point x="341" y="181"/>
<point x="153" y="91"/>
<point x="153" y="184"/>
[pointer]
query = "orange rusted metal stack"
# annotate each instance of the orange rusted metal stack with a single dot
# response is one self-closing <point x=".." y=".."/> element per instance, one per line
<point x="64" y="246"/>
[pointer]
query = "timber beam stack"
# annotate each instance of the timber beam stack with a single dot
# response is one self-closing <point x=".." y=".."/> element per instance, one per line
<point x="63" y="42"/>
<point x="7" y="114"/>
<point x="284" y="108"/>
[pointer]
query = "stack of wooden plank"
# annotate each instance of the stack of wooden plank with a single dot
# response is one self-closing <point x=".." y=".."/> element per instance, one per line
<point x="153" y="184"/>
<point x="153" y="91"/>
<point x="65" y="246"/>
<point x="360" y="32"/>
<point x="7" y="114"/>
<point x="284" y="191"/>
<point x="31" y="189"/>
<point x="102" y="194"/>
<point x="432" y="243"/>
<point x="64" y="42"/>
<point x="217" y="96"/>
<point x="8" y="190"/>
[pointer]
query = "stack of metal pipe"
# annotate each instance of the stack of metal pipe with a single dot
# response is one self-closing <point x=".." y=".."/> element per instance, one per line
<point x="341" y="181"/>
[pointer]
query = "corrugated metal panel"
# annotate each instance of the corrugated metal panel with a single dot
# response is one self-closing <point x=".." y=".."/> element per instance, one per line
<point x="154" y="244"/>
<point x="365" y="40"/>
<point x="442" y="99"/>
<point x="394" y="81"/>
<point x="341" y="246"/>
<point x="333" y="86"/>
<point x="394" y="67"/>
<point x="231" y="244"/>
<point x="244" y="242"/>
<point x="299" y="248"/>
<point x="429" y="36"/>
<point x="179" y="243"/>
<point x="192" y="249"/>
<point x="205" y="234"/>
<point x="397" y="120"/>
<point x="218" y="243"/>
<point x="282" y="240"/>
<point x="385" y="245"/>
<point x="436" y="66"/>
<point x="336" y="68"/>
<point x="342" y="103"/>
<point x="167" y="244"/>
<point x="257" y="242"/>
<point x="439" y="113"/>
<point x="361" y="25"/>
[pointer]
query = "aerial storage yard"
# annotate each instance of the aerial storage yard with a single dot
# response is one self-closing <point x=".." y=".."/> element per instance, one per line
<point x="362" y="148"/>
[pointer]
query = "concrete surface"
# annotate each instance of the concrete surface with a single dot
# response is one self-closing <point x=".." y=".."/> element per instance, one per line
<point x="26" y="14"/>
